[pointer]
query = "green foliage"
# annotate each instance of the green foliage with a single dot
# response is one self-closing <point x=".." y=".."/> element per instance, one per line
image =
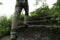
<point x="22" y="17"/>
<point x="55" y="11"/>
<point x="5" y="25"/>
<point x="40" y="10"/>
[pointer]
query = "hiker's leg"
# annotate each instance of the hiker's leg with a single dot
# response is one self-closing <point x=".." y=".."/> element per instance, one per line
<point x="26" y="8"/>
<point x="15" y="22"/>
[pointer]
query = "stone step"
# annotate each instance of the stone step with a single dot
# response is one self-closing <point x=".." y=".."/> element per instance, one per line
<point x="35" y="26"/>
<point x="43" y="15"/>
<point x="39" y="26"/>
<point x="39" y="18"/>
<point x="37" y="22"/>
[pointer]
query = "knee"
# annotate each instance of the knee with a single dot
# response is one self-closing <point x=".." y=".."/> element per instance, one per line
<point x="26" y="14"/>
<point x="17" y="12"/>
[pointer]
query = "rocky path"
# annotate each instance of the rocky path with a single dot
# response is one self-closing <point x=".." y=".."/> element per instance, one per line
<point x="37" y="33"/>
